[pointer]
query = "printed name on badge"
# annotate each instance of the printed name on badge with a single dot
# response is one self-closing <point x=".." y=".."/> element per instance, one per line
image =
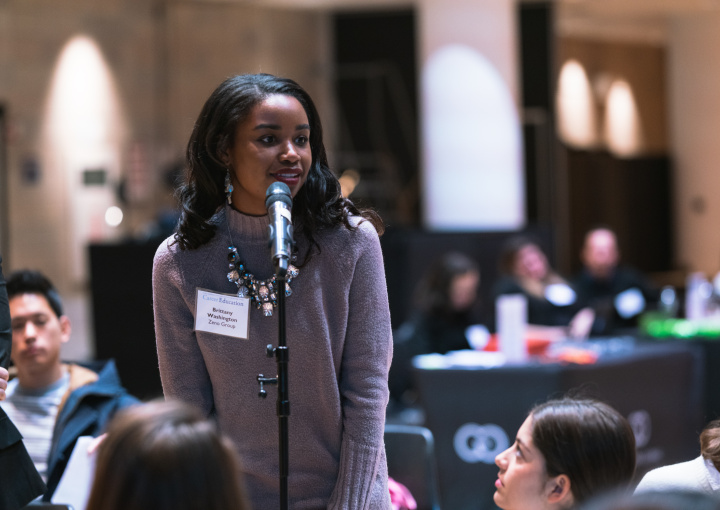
<point x="222" y="314"/>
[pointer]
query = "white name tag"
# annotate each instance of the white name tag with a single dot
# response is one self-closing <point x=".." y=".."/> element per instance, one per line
<point x="223" y="314"/>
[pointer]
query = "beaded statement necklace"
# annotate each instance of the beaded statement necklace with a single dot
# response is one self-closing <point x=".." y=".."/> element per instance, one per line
<point x="262" y="293"/>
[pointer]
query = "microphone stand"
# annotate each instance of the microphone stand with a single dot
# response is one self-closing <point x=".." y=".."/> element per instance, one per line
<point x="283" y="402"/>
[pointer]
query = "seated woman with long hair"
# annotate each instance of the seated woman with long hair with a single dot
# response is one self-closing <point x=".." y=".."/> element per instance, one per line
<point x="565" y="452"/>
<point x="553" y="308"/>
<point x="445" y="302"/>
<point x="165" y="456"/>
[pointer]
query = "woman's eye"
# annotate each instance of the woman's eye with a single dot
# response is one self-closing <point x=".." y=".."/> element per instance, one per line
<point x="267" y="139"/>
<point x="518" y="453"/>
<point x="301" y="140"/>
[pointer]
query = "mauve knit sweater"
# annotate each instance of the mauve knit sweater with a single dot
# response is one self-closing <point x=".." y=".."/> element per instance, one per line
<point x="340" y="347"/>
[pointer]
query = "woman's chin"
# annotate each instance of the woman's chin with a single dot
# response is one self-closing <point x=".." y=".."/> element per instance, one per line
<point x="497" y="499"/>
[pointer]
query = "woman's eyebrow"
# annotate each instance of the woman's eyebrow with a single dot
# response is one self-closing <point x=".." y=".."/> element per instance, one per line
<point x="266" y="126"/>
<point x="299" y="127"/>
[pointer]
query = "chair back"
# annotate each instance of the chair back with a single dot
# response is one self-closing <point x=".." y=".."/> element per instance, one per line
<point x="410" y="453"/>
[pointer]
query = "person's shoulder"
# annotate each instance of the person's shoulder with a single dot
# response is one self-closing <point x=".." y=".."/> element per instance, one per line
<point x="628" y="271"/>
<point x="687" y="474"/>
<point x="171" y="255"/>
<point x="582" y="278"/>
<point x="360" y="234"/>
<point x="506" y="285"/>
<point x="106" y="380"/>
<point x="167" y="250"/>
<point x="171" y="248"/>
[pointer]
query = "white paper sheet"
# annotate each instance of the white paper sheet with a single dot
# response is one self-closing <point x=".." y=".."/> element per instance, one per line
<point x="76" y="481"/>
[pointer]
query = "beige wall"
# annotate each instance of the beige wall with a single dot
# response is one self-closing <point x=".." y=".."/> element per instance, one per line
<point x="209" y="42"/>
<point x="694" y="91"/>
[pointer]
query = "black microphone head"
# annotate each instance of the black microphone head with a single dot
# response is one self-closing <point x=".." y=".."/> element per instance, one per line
<point x="278" y="191"/>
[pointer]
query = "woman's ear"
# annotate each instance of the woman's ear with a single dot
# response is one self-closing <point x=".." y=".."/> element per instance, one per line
<point x="225" y="158"/>
<point x="558" y="492"/>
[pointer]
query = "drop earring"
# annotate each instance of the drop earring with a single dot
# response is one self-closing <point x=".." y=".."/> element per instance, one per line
<point x="228" y="187"/>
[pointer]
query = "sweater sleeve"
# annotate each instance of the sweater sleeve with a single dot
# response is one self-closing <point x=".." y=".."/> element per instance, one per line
<point x="362" y="474"/>
<point x="182" y="369"/>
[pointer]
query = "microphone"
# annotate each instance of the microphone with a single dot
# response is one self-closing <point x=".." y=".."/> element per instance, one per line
<point x="278" y="201"/>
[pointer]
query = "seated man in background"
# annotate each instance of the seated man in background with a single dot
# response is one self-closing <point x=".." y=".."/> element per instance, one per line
<point x="617" y="293"/>
<point x="53" y="403"/>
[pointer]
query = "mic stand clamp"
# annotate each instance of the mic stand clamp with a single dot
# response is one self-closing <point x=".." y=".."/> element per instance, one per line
<point x="261" y="379"/>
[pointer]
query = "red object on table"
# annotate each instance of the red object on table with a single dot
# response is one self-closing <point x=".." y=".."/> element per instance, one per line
<point x="535" y="346"/>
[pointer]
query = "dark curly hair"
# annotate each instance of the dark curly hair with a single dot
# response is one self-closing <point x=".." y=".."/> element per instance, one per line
<point x="318" y="204"/>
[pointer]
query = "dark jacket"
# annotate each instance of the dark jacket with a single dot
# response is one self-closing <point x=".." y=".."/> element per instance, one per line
<point x="424" y="333"/>
<point x="601" y="294"/>
<point x="93" y="399"/>
<point x="540" y="310"/>
<point x="20" y="482"/>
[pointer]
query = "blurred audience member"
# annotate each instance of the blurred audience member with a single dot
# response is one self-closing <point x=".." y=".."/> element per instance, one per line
<point x="655" y="500"/>
<point x="165" y="456"/>
<point x="445" y="302"/>
<point x="553" y="304"/>
<point x="700" y="474"/>
<point x="53" y="403"/>
<point x="565" y="452"/>
<point x="19" y="479"/>
<point x="617" y="293"/>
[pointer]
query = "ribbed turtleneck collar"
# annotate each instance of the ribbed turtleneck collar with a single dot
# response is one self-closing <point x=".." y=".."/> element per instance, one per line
<point x="249" y="227"/>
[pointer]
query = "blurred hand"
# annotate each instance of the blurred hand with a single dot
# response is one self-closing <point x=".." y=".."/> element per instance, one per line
<point x="92" y="447"/>
<point x="581" y="324"/>
<point x="3" y="382"/>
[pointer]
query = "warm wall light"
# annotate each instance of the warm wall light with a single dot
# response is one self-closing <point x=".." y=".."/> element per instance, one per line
<point x="83" y="111"/>
<point x="472" y="144"/>
<point x="577" y="120"/>
<point x="349" y="180"/>
<point x="83" y="129"/>
<point x="623" y="130"/>
<point x="113" y="216"/>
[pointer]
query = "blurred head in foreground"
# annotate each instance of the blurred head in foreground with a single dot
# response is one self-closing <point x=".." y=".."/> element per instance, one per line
<point x="655" y="500"/>
<point x="165" y="456"/>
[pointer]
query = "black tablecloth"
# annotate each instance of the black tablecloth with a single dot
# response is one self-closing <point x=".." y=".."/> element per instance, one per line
<point x="475" y="413"/>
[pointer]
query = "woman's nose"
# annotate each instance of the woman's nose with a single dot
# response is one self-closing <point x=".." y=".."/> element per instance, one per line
<point x="290" y="152"/>
<point x="501" y="460"/>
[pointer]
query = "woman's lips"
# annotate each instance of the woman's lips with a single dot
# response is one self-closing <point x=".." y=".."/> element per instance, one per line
<point x="290" y="178"/>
